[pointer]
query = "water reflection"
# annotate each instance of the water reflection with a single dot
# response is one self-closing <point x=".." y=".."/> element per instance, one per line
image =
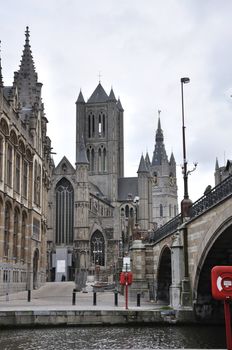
<point x="156" y="337"/>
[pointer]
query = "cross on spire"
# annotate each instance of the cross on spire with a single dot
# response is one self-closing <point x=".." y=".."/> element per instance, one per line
<point x="27" y="34"/>
<point x="99" y="77"/>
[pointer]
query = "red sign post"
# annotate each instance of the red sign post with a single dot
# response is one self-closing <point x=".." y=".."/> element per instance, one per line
<point x="221" y="280"/>
<point x="126" y="280"/>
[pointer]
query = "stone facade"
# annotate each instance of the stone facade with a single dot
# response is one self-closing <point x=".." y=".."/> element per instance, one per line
<point x="105" y="204"/>
<point x="25" y="177"/>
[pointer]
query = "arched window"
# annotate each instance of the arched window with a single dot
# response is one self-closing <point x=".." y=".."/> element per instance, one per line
<point x="23" y="236"/>
<point x="170" y="210"/>
<point x="104" y="159"/>
<point x="93" y="126"/>
<point x="64" y="212"/>
<point x="161" y="210"/>
<point x="9" y="165"/>
<point x="15" y="233"/>
<point x="99" y="160"/>
<point x="98" y="249"/>
<point x="127" y="211"/>
<point x="89" y="125"/>
<point x="7" y="229"/>
<point x="35" y="182"/>
<point x="17" y="172"/>
<point x="39" y="184"/>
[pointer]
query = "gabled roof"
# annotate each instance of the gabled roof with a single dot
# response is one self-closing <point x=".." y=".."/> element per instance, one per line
<point x="127" y="187"/>
<point x="99" y="95"/>
<point x="64" y="167"/>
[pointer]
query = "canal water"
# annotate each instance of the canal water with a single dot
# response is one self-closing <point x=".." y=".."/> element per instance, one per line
<point x="152" y="337"/>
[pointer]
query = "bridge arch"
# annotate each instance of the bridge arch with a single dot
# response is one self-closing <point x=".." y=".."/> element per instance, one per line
<point x="217" y="251"/>
<point x="164" y="276"/>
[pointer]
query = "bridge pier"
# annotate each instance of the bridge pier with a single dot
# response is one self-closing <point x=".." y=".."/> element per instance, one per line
<point x="139" y="285"/>
<point x="177" y="262"/>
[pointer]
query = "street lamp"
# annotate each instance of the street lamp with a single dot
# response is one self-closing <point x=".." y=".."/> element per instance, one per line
<point x="186" y="202"/>
<point x="186" y="196"/>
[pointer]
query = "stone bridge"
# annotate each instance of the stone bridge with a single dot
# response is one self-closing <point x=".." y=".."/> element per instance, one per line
<point x="180" y="255"/>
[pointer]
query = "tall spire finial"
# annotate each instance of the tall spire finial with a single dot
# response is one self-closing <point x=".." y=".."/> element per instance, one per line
<point x="99" y="77"/>
<point x="27" y="34"/>
<point x="1" y="78"/>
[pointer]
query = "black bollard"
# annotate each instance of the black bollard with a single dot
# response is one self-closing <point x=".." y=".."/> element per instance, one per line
<point x="74" y="298"/>
<point x="138" y="299"/>
<point x="116" y="298"/>
<point x="94" y="298"/>
<point x="29" y="295"/>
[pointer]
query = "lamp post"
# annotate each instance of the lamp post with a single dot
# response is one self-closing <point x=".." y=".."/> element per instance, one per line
<point x="186" y="196"/>
<point x="186" y="202"/>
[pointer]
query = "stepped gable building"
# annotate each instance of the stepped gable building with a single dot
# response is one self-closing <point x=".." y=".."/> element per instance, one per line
<point x="25" y="176"/>
<point x="93" y="208"/>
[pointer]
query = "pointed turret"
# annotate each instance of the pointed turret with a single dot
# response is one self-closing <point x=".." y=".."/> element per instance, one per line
<point x="142" y="166"/>
<point x="80" y="98"/>
<point x="112" y="96"/>
<point x="99" y="95"/>
<point x="216" y="165"/>
<point x="147" y="161"/>
<point x="119" y="105"/>
<point x="26" y="79"/>
<point x="159" y="154"/>
<point x="172" y="159"/>
<point x="1" y="78"/>
<point x="82" y="156"/>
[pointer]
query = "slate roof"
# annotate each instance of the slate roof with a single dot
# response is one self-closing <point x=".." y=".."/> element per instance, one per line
<point x="80" y="98"/>
<point x="127" y="186"/>
<point x="99" y="95"/>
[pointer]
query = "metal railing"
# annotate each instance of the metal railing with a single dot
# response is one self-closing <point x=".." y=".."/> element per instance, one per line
<point x="207" y="201"/>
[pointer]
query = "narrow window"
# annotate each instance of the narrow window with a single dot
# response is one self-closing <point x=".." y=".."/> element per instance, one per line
<point x="17" y="173"/>
<point x="7" y="229"/>
<point x="23" y="236"/>
<point x="25" y="176"/>
<point x="161" y="210"/>
<point x="99" y="160"/>
<point x="9" y="165"/>
<point x="100" y="125"/>
<point x="15" y="233"/>
<point x="98" y="249"/>
<point x="170" y="210"/>
<point x="64" y="212"/>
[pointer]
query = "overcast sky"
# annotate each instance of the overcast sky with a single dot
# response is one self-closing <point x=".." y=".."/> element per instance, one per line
<point x="142" y="49"/>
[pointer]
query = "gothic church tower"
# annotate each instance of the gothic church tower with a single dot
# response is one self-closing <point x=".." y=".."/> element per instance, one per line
<point x="100" y="120"/>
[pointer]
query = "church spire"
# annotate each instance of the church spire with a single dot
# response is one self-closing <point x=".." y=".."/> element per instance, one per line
<point x="80" y="98"/>
<point x="1" y="78"/>
<point x="142" y="165"/>
<point x="26" y="78"/>
<point x="216" y="164"/>
<point x="159" y="154"/>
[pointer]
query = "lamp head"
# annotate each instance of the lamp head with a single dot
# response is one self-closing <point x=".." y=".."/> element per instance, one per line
<point x="185" y="80"/>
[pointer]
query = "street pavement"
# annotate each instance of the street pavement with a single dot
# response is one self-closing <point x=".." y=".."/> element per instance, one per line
<point x="58" y="296"/>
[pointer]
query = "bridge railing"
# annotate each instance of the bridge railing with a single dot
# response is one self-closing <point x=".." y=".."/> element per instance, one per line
<point x="216" y="195"/>
<point x="208" y="200"/>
